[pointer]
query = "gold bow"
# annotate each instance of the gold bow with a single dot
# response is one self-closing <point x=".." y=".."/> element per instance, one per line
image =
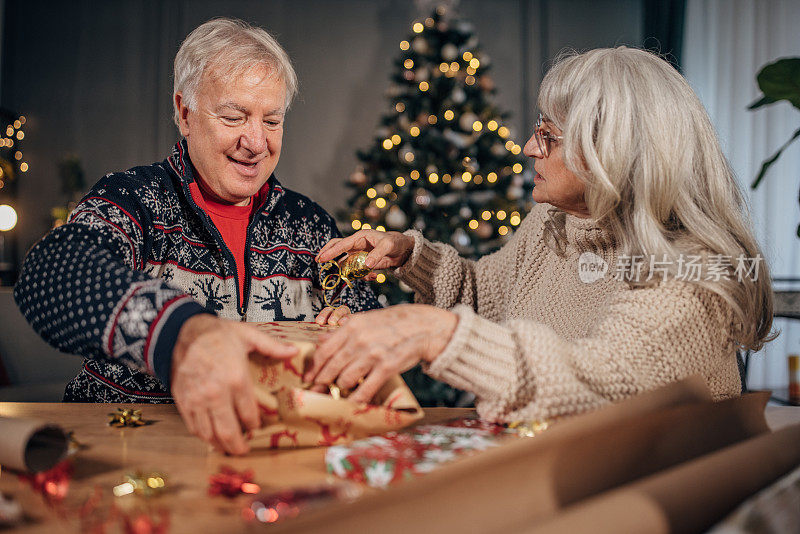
<point x="351" y="268"/>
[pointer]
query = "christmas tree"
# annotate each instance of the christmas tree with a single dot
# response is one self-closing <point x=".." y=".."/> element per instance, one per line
<point x="442" y="161"/>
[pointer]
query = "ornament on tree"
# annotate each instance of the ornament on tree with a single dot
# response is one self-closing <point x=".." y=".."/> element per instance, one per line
<point x="396" y="218"/>
<point x="422" y="198"/>
<point x="465" y="212"/>
<point x="467" y="120"/>
<point x="449" y="52"/>
<point x="358" y="178"/>
<point x="484" y="230"/>
<point x="460" y="238"/>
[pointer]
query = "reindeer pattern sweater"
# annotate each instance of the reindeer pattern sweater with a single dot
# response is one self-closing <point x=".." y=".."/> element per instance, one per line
<point x="533" y="341"/>
<point x="138" y="257"/>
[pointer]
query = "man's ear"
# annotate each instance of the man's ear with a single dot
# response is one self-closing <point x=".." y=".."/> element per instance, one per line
<point x="183" y="114"/>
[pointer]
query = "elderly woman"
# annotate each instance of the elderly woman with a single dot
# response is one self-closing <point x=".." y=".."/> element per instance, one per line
<point x="630" y="178"/>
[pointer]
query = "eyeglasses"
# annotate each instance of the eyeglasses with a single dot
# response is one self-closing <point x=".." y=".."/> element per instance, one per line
<point x="544" y="138"/>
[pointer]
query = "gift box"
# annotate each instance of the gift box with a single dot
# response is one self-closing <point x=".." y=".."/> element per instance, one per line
<point x="293" y="416"/>
<point x="381" y="460"/>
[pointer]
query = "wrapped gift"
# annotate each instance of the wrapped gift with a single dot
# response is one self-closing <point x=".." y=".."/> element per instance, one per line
<point x="378" y="461"/>
<point x="293" y="416"/>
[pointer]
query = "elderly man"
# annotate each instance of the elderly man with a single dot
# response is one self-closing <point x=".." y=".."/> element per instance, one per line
<point x="155" y="265"/>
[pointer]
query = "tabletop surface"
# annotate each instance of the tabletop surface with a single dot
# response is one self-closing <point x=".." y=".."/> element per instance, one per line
<point x="165" y="446"/>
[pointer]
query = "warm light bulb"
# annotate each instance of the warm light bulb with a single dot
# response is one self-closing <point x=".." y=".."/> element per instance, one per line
<point x="381" y="203"/>
<point x="492" y="125"/>
<point x="380" y="228"/>
<point x="381" y="278"/>
<point x="409" y="63"/>
<point x="400" y="181"/>
<point x="17" y="155"/>
<point x="423" y="86"/>
<point x="501" y="215"/>
<point x="509" y="144"/>
<point x="474" y="63"/>
<point x="387" y="144"/>
<point x="503" y="230"/>
<point x="478" y="179"/>
<point x="404" y="45"/>
<point x="467" y="55"/>
<point x="8" y="218"/>
<point x="492" y="177"/>
<point x="414" y="131"/>
<point x="17" y="124"/>
<point x="446" y="178"/>
<point x="469" y="80"/>
<point x="514" y="220"/>
<point x="22" y="119"/>
<point x="449" y="114"/>
<point x="454" y="66"/>
<point x="477" y="126"/>
<point x="429" y="22"/>
<point x="444" y="67"/>
<point x="486" y="215"/>
<point x="418" y="27"/>
<point x="503" y="132"/>
<point x="409" y="157"/>
<point x="517" y="168"/>
<point x="471" y="71"/>
<point x="20" y="134"/>
<point x="396" y="139"/>
<point x="432" y="119"/>
<point x="433" y="178"/>
<point x="23" y="167"/>
<point x="473" y="224"/>
<point x="371" y="193"/>
<point x="400" y="107"/>
<point x="9" y="131"/>
<point x="366" y="226"/>
<point x="516" y="149"/>
<point x="466" y="177"/>
<point x="356" y="224"/>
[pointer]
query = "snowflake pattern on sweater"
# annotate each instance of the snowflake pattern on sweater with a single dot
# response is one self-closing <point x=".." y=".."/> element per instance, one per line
<point x="138" y="257"/>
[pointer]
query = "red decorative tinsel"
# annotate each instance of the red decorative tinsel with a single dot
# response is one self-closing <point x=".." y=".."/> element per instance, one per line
<point x="52" y="484"/>
<point x="230" y="483"/>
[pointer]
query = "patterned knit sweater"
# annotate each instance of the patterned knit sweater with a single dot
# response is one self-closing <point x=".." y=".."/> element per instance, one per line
<point x="138" y="257"/>
<point x="533" y="341"/>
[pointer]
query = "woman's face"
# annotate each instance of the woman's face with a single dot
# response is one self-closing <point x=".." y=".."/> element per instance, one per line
<point x="554" y="184"/>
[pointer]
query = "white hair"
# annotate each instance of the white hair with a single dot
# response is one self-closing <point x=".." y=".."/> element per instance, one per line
<point x="638" y="136"/>
<point x="228" y="47"/>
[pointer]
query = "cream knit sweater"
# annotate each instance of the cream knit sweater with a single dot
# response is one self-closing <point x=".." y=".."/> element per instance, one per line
<point x="533" y="341"/>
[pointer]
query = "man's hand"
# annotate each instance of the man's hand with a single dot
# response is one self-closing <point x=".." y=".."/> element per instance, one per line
<point x="333" y="316"/>
<point x="210" y="380"/>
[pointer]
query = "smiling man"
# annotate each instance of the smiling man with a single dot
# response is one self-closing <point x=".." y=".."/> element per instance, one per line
<point x="158" y="265"/>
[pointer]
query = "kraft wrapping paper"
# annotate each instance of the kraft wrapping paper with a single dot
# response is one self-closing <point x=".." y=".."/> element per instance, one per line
<point x="293" y="416"/>
<point x="526" y="483"/>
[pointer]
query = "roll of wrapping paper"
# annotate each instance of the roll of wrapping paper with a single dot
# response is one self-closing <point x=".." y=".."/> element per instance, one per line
<point x="30" y="444"/>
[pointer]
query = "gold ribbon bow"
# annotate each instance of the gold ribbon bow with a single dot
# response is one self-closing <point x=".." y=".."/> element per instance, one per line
<point x="126" y="417"/>
<point x="351" y="268"/>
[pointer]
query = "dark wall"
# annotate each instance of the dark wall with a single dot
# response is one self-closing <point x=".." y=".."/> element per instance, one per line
<point x="94" y="78"/>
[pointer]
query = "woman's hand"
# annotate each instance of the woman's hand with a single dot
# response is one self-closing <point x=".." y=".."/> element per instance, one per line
<point x="378" y="344"/>
<point x="332" y="316"/>
<point x="386" y="249"/>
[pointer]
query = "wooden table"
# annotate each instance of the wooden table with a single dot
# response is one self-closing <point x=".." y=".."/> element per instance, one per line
<point x="166" y="446"/>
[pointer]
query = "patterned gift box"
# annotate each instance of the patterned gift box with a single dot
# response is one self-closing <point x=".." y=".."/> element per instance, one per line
<point x="381" y="460"/>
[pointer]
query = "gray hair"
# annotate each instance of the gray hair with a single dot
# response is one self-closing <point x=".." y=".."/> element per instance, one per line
<point x="228" y="47"/>
<point x="638" y="136"/>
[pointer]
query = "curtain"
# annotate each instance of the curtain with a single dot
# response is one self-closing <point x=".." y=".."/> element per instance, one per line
<point x="726" y="42"/>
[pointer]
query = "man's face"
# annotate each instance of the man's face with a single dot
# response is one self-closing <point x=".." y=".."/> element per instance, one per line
<point x="234" y="136"/>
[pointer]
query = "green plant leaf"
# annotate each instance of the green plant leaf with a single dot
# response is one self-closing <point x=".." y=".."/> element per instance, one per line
<point x="768" y="162"/>
<point x="781" y="80"/>
<point x="763" y="101"/>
